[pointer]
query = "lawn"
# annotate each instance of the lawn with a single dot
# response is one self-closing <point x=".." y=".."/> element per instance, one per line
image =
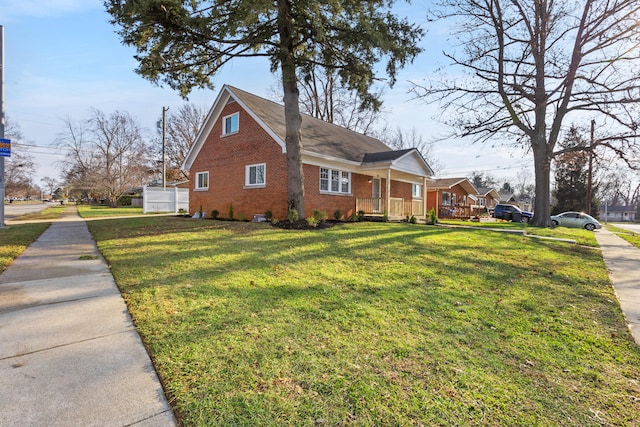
<point x="627" y="235"/>
<point x="16" y="238"/>
<point x="580" y="235"/>
<point x="374" y="324"/>
<point x="101" y="211"/>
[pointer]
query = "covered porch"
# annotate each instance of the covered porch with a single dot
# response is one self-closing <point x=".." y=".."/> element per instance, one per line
<point x="396" y="207"/>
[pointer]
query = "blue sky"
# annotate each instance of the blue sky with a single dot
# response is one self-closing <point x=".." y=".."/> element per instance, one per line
<point x="62" y="58"/>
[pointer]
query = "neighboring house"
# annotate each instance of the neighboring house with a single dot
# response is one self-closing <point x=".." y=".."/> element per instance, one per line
<point x="618" y="213"/>
<point x="238" y="162"/>
<point x="450" y="197"/>
<point x="487" y="198"/>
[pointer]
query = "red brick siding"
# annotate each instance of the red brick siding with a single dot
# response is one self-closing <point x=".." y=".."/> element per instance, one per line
<point x="225" y="158"/>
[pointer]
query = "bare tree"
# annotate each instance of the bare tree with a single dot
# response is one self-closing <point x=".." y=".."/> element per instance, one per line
<point x="50" y="185"/>
<point x="324" y="97"/>
<point x="182" y="128"/>
<point x="400" y="139"/>
<point x="20" y="167"/>
<point x="106" y="155"/>
<point x="534" y="64"/>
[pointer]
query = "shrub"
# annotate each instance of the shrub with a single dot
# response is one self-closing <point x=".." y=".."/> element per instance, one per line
<point x="312" y="221"/>
<point x="124" y="200"/>
<point x="320" y="216"/>
<point x="181" y="211"/>
<point x="413" y="219"/>
<point x="293" y="215"/>
<point x="268" y="215"/>
<point x="337" y="215"/>
<point x="200" y="212"/>
<point x="214" y="214"/>
<point x="230" y="210"/>
<point x="360" y="215"/>
<point x="432" y="218"/>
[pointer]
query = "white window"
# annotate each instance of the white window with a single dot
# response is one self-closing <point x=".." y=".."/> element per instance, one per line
<point x="416" y="191"/>
<point x="335" y="181"/>
<point x="230" y="124"/>
<point x="202" y="181"/>
<point x="446" y="199"/>
<point x="255" y="175"/>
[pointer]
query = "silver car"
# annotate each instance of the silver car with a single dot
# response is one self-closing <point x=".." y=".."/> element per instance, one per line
<point x="575" y="220"/>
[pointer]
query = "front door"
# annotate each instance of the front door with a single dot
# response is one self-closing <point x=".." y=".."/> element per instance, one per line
<point x="376" y="195"/>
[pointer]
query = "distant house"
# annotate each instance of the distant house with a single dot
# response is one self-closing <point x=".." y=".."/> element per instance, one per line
<point x="486" y="198"/>
<point x="618" y="213"/>
<point x="238" y="164"/>
<point x="451" y="198"/>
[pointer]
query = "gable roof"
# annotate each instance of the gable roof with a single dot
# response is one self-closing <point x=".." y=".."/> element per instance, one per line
<point x="486" y="191"/>
<point x="449" y="183"/>
<point x="318" y="137"/>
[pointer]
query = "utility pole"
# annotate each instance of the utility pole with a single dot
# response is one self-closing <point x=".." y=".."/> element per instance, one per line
<point x="164" y="144"/>
<point x="589" y="173"/>
<point x="2" y="123"/>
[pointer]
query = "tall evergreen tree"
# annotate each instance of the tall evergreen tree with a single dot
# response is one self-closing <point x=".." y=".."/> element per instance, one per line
<point x="184" y="43"/>
<point x="571" y="175"/>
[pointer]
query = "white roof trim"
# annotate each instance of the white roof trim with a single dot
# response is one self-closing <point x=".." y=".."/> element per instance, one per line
<point x="212" y="117"/>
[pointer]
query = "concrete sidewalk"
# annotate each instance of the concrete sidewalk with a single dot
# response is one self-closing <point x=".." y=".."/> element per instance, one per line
<point x="69" y="353"/>
<point x="623" y="263"/>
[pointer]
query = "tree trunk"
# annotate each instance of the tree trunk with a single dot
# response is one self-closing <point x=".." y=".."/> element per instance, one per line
<point x="293" y="120"/>
<point x="542" y="165"/>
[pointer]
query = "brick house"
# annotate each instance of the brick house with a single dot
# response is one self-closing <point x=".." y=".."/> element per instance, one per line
<point x="450" y="197"/>
<point x="238" y="160"/>
<point x="487" y="197"/>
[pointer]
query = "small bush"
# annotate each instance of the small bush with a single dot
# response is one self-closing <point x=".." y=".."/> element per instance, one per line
<point x="293" y="215"/>
<point x="268" y="215"/>
<point x="214" y="214"/>
<point x="413" y="219"/>
<point x="354" y="218"/>
<point x="230" y="210"/>
<point x="360" y="215"/>
<point x="312" y="221"/>
<point x="181" y="211"/>
<point x="337" y="215"/>
<point x="320" y="216"/>
<point x="200" y="212"/>
<point x="275" y="221"/>
<point x="432" y="218"/>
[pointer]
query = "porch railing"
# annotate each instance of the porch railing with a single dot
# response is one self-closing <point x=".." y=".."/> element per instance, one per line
<point x="399" y="206"/>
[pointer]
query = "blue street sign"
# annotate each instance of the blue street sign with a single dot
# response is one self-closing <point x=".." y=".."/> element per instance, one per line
<point x="5" y="147"/>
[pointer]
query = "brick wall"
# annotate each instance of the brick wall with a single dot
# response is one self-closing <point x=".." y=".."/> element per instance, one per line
<point x="226" y="157"/>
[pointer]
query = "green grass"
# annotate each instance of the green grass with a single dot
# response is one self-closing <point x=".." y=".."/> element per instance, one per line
<point x="627" y="235"/>
<point x="371" y="324"/>
<point x="53" y="212"/>
<point x="101" y="211"/>
<point x="581" y="236"/>
<point x="16" y="238"/>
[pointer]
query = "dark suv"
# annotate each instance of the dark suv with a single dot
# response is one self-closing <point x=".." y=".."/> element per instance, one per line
<point x="511" y="213"/>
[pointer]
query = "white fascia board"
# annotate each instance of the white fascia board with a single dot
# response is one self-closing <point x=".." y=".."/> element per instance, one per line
<point x="321" y="160"/>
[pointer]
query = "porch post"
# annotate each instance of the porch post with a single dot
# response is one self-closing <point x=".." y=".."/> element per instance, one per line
<point x="388" y="194"/>
<point x="424" y="196"/>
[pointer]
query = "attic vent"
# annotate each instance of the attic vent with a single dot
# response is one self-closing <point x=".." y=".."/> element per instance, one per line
<point x="231" y="100"/>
